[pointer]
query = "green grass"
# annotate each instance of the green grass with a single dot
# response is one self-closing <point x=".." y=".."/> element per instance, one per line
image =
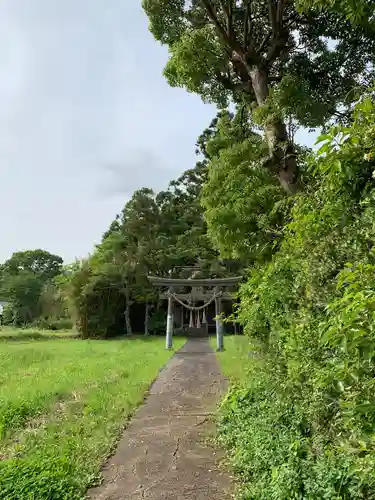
<point x="21" y="334"/>
<point x="238" y="359"/>
<point x="63" y="405"/>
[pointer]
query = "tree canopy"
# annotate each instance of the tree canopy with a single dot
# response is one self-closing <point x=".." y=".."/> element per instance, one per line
<point x="281" y="61"/>
<point x="39" y="262"/>
<point x="23" y="278"/>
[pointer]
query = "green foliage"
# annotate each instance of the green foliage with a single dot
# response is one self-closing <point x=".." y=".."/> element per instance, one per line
<point x="245" y="208"/>
<point x="195" y="60"/>
<point x="100" y="303"/>
<point x="26" y="282"/>
<point x="53" y="323"/>
<point x="211" y="49"/>
<point x="357" y="11"/>
<point x="158" y="322"/>
<point x="23" y="291"/>
<point x="39" y="262"/>
<point x="302" y="426"/>
<point x="49" y="479"/>
<point x="275" y="58"/>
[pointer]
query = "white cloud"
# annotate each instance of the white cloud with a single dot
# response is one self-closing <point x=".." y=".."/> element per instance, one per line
<point x="82" y="89"/>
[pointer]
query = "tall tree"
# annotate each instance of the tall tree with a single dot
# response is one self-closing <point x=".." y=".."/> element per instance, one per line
<point x="139" y="228"/>
<point x="23" y="291"/>
<point x="23" y="277"/>
<point x="130" y="249"/>
<point x="269" y="55"/>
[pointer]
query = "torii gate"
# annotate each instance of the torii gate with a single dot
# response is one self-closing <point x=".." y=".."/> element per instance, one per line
<point x="217" y="293"/>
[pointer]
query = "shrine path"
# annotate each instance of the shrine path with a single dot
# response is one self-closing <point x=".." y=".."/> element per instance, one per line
<point x="164" y="454"/>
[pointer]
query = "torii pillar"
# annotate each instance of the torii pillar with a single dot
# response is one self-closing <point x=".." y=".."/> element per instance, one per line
<point x="219" y="324"/>
<point x="169" y="332"/>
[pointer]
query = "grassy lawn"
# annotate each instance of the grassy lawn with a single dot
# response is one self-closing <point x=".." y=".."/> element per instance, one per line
<point x="63" y="405"/>
<point x="236" y="361"/>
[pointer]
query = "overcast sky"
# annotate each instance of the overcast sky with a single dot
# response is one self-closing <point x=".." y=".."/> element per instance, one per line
<point x="86" y="118"/>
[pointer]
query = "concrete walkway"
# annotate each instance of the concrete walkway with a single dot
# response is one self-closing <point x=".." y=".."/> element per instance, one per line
<point x="163" y="454"/>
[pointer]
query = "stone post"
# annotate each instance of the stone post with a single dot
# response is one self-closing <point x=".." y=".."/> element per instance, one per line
<point x="219" y="325"/>
<point x="182" y="318"/>
<point x="169" y="333"/>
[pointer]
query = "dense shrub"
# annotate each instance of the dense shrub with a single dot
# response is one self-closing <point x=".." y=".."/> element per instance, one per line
<point x="304" y="426"/>
<point x="157" y="322"/>
<point x="52" y="323"/>
<point x="98" y="301"/>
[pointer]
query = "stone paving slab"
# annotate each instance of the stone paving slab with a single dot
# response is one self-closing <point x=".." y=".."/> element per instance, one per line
<point x="164" y="454"/>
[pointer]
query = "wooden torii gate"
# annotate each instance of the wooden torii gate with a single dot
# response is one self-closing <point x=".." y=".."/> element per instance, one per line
<point x="216" y="292"/>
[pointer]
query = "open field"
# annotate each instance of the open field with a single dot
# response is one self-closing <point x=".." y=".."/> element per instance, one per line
<point x="63" y="404"/>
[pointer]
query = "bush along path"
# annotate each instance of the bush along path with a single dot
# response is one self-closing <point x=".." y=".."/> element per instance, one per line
<point x="164" y="453"/>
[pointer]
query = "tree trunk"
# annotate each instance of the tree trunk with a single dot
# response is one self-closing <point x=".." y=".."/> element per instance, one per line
<point x="128" y="324"/>
<point x="146" y="318"/>
<point x="282" y="158"/>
